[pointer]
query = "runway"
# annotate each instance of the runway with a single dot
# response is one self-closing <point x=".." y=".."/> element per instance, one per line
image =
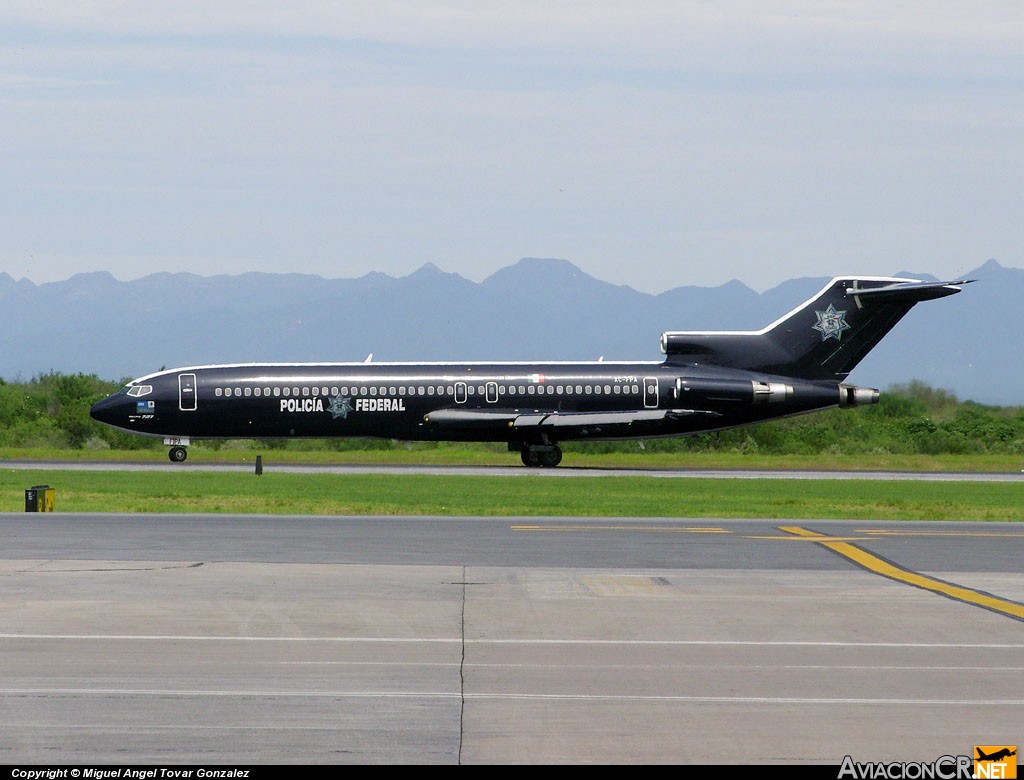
<point x="252" y="640"/>
<point x="519" y="471"/>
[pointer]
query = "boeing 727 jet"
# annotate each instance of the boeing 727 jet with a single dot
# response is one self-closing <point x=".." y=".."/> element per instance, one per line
<point x="708" y="380"/>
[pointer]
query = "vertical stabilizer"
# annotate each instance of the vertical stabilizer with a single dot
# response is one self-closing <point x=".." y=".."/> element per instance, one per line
<point x="823" y="338"/>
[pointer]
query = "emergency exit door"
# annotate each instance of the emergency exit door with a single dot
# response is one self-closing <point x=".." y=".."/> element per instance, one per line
<point x="650" y="392"/>
<point x="187" y="392"/>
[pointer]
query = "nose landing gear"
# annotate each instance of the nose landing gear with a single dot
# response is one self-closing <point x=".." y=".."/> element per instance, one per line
<point x="178" y="451"/>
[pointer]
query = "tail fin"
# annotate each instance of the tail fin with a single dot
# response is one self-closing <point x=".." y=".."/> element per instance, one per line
<point x="824" y="338"/>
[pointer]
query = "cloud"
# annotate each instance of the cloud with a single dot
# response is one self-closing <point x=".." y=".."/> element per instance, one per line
<point x="651" y="143"/>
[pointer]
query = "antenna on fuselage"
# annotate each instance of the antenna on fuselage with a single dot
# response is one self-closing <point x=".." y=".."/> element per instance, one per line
<point x="369" y="358"/>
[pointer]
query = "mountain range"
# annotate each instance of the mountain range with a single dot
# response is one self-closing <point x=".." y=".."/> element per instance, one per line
<point x="535" y="309"/>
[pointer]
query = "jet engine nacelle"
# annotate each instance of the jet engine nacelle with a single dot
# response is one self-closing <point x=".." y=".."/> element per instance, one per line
<point x="712" y="391"/>
<point x="857" y="396"/>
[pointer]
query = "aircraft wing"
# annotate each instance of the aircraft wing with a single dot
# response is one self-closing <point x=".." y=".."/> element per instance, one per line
<point x="520" y="420"/>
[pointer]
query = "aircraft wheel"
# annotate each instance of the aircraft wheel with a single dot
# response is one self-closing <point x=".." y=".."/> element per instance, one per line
<point x="550" y="458"/>
<point x="530" y="457"/>
<point x="177" y="454"/>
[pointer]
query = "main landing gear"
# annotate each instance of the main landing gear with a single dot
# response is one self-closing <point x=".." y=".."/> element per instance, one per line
<point x="545" y="455"/>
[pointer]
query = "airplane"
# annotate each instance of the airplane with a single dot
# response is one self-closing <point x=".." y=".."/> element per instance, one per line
<point x="707" y="381"/>
<point x="997" y="756"/>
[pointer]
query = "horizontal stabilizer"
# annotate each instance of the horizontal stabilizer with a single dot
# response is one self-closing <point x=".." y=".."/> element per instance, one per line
<point x="908" y="292"/>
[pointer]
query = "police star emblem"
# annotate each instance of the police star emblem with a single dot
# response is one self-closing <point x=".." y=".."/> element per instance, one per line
<point x="831" y="323"/>
<point x="339" y="406"/>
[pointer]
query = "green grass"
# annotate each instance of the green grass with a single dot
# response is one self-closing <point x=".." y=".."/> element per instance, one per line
<point x="525" y="495"/>
<point x="244" y="452"/>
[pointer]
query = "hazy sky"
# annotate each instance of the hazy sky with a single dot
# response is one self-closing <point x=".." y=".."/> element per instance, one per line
<point x="651" y="143"/>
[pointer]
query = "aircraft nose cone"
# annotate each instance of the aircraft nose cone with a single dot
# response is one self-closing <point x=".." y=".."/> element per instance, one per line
<point x="110" y="410"/>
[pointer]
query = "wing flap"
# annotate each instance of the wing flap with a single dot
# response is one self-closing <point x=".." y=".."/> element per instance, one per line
<point x="590" y="419"/>
<point x="513" y="418"/>
<point x="472" y="417"/>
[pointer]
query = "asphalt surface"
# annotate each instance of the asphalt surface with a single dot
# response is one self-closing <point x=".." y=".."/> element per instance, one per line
<point x="308" y="640"/>
<point x="517" y="471"/>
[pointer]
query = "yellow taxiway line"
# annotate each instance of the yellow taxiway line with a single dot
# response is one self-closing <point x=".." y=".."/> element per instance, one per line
<point x="880" y="566"/>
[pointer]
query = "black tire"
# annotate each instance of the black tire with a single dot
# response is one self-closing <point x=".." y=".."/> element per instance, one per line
<point x="177" y="454"/>
<point x="530" y="457"/>
<point x="550" y="458"/>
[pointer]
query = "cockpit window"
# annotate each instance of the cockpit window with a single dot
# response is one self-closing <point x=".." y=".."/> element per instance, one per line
<point x="137" y="391"/>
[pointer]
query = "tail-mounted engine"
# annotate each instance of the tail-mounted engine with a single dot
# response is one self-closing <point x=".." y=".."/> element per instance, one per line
<point x="701" y="391"/>
<point x="857" y="396"/>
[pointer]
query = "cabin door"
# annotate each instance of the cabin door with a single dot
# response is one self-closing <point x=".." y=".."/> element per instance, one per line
<point x="187" y="392"/>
